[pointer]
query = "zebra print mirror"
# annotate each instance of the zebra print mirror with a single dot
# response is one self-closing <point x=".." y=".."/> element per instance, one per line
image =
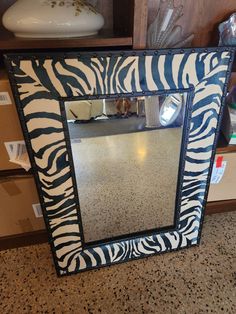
<point x="42" y="83"/>
<point x="126" y="163"/>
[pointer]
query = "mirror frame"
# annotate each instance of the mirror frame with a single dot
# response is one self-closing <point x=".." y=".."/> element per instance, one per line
<point x="42" y="82"/>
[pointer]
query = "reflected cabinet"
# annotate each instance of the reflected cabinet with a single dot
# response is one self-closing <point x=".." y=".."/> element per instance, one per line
<point x="121" y="145"/>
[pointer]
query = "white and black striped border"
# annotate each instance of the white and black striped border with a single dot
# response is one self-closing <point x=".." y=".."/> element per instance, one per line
<point x="42" y="82"/>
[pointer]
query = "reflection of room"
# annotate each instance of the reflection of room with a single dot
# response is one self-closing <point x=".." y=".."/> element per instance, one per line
<point x="122" y="115"/>
<point x="126" y="182"/>
<point x="123" y="174"/>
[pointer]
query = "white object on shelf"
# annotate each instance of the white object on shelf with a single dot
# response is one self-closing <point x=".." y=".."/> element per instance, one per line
<point x="52" y="19"/>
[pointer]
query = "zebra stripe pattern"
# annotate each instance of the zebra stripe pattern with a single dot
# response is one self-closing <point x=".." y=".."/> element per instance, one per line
<point x="42" y="82"/>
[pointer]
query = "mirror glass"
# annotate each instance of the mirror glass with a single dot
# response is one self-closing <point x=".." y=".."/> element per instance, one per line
<point x="126" y="158"/>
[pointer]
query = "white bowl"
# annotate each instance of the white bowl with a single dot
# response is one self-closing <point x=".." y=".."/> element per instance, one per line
<point x="42" y="19"/>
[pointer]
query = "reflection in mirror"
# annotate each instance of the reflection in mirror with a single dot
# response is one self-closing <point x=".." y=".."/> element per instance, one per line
<point x="126" y="157"/>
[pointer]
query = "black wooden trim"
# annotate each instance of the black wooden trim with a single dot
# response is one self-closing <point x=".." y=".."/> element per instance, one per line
<point x="23" y="239"/>
<point x="15" y="172"/>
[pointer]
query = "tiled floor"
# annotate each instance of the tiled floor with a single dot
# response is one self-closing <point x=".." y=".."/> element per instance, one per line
<point x="195" y="281"/>
<point x="121" y="175"/>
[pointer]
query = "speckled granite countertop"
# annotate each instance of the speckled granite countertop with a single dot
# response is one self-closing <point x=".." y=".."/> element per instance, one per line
<point x="197" y="280"/>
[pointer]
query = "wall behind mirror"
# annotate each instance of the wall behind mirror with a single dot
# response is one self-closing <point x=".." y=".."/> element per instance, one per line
<point x="126" y="158"/>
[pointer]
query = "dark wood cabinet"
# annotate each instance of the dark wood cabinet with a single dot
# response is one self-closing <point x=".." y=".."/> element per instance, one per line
<point x="125" y="26"/>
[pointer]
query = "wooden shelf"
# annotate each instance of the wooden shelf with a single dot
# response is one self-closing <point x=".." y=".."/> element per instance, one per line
<point x="223" y="147"/>
<point x="125" y="26"/>
<point x="226" y="149"/>
<point x="24" y="239"/>
<point x="220" y="206"/>
<point x="15" y="172"/>
<point x="103" y="39"/>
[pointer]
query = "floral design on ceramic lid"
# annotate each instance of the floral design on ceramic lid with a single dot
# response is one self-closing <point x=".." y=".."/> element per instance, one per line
<point x="79" y="4"/>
